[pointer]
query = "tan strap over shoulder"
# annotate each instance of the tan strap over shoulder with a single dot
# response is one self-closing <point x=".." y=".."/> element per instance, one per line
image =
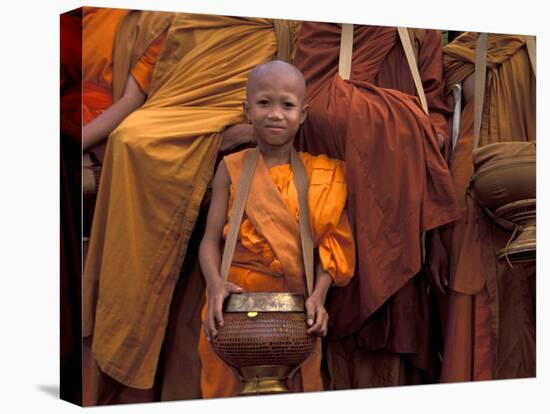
<point x="480" y="76"/>
<point x="346" y="51"/>
<point x="530" y="42"/>
<point x="241" y="195"/>
<point x="134" y="35"/>
<point x="411" y="60"/>
<point x="284" y="39"/>
<point x="301" y="182"/>
<point x="122" y="53"/>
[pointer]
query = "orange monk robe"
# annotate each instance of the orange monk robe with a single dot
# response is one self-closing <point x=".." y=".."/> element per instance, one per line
<point x="102" y="39"/>
<point x="268" y="255"/>
<point x="157" y="165"/>
<point x="398" y="185"/>
<point x="100" y="30"/>
<point x="84" y="102"/>
<point x="490" y="323"/>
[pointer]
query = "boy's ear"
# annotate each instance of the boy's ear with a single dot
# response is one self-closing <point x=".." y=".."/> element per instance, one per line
<point x="303" y="117"/>
<point x="245" y="110"/>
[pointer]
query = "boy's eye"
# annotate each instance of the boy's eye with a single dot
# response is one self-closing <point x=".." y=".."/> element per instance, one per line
<point x="263" y="102"/>
<point x="289" y="104"/>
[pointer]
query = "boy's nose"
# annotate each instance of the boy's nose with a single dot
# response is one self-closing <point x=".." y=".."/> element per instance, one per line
<point x="275" y="113"/>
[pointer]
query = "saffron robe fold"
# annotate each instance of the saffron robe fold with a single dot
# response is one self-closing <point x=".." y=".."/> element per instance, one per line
<point x="112" y="43"/>
<point x="398" y="182"/>
<point x="157" y="165"/>
<point x="490" y="322"/>
<point x="115" y="43"/>
<point x="268" y="253"/>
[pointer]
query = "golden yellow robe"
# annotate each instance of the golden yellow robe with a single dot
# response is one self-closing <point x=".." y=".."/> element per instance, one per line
<point x="100" y="28"/>
<point x="490" y="318"/>
<point x="157" y="165"/>
<point x="114" y="44"/>
<point x="268" y="255"/>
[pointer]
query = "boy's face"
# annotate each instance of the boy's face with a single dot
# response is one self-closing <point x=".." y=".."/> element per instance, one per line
<point x="275" y="107"/>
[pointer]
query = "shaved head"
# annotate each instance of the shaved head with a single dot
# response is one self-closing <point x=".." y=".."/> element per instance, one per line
<point x="276" y="68"/>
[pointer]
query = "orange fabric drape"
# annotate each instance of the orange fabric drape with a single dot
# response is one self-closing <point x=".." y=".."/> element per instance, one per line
<point x="98" y="43"/>
<point x="258" y="263"/>
<point x="157" y="165"/>
<point x="83" y="103"/>
<point x="99" y="28"/>
<point x="490" y="308"/>
<point x="86" y="95"/>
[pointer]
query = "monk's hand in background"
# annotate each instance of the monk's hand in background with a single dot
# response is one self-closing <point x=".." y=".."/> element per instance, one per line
<point x="235" y="136"/>
<point x="438" y="262"/>
<point x="316" y="316"/>
<point x="216" y="294"/>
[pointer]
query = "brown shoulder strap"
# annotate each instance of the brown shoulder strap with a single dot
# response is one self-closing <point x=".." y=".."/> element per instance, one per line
<point x="241" y="194"/>
<point x="413" y="66"/>
<point x="302" y="187"/>
<point x="346" y="51"/>
<point x="479" y="84"/>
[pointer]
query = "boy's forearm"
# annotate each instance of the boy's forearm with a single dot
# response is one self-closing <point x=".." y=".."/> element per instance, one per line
<point x="210" y="261"/>
<point x="323" y="283"/>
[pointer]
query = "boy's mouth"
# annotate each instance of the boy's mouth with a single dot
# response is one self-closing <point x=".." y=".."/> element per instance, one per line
<point x="275" y="128"/>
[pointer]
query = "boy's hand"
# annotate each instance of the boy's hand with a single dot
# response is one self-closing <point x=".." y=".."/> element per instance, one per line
<point x="316" y="316"/>
<point x="214" y="315"/>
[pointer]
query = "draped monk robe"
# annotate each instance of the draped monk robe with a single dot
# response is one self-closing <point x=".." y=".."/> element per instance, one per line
<point x="490" y="312"/>
<point x="268" y="255"/>
<point x="115" y="43"/>
<point x="112" y="43"/>
<point x="179" y="351"/>
<point x="398" y="186"/>
<point x="157" y="165"/>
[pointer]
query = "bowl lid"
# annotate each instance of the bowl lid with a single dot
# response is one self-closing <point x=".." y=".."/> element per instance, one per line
<point x="264" y="302"/>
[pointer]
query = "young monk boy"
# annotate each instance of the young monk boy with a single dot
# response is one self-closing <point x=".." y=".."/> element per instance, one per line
<point x="267" y="255"/>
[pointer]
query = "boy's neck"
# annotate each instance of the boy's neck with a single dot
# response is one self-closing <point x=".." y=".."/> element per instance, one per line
<point x="274" y="156"/>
